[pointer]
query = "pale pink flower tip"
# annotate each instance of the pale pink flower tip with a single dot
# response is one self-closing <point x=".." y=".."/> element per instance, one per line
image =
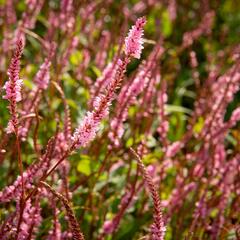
<point x="134" y="40"/>
<point x="14" y="84"/>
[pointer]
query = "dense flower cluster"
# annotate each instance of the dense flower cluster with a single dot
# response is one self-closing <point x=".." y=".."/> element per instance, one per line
<point x="168" y="87"/>
<point x="134" y="40"/>
<point x="86" y="131"/>
<point x="13" y="87"/>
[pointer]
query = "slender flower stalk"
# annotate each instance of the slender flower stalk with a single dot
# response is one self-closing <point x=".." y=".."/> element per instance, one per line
<point x="163" y="125"/>
<point x="67" y="117"/>
<point x="158" y="228"/>
<point x="75" y="228"/>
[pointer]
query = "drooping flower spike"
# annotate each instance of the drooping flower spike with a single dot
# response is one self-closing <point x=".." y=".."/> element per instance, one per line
<point x="158" y="228"/>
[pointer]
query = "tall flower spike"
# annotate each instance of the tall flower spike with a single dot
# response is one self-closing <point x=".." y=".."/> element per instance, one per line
<point x="134" y="40"/>
<point x="13" y="87"/>
<point x="158" y="228"/>
<point x="90" y="124"/>
<point x="88" y="128"/>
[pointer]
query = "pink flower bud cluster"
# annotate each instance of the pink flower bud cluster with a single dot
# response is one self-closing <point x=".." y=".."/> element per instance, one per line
<point x="158" y="228"/>
<point x="223" y="91"/>
<point x="13" y="87"/>
<point x="43" y="76"/>
<point x="204" y="28"/>
<point x="158" y="232"/>
<point x="134" y="40"/>
<point x="67" y="20"/>
<point x="172" y="149"/>
<point x="31" y="219"/>
<point x="30" y="15"/>
<point x="13" y="191"/>
<point x="34" y="171"/>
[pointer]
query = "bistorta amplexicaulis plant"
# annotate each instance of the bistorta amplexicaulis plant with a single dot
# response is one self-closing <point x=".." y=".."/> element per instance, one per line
<point x="119" y="120"/>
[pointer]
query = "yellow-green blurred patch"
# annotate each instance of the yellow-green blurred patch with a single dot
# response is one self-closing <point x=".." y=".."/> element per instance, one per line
<point x="197" y="128"/>
<point x="76" y="58"/>
<point x="84" y="165"/>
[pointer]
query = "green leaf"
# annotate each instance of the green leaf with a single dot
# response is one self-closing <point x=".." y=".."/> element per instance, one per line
<point x="129" y="142"/>
<point x="179" y="109"/>
<point x="199" y="125"/>
<point x="166" y="24"/>
<point x="28" y="83"/>
<point x="76" y="58"/>
<point x="72" y="104"/>
<point x="2" y="2"/>
<point x="84" y="165"/>
<point x="96" y="71"/>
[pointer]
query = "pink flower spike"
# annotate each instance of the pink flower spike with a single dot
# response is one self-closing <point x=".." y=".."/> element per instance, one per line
<point x="134" y="40"/>
<point x="89" y="126"/>
<point x="13" y="87"/>
<point x="42" y="77"/>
